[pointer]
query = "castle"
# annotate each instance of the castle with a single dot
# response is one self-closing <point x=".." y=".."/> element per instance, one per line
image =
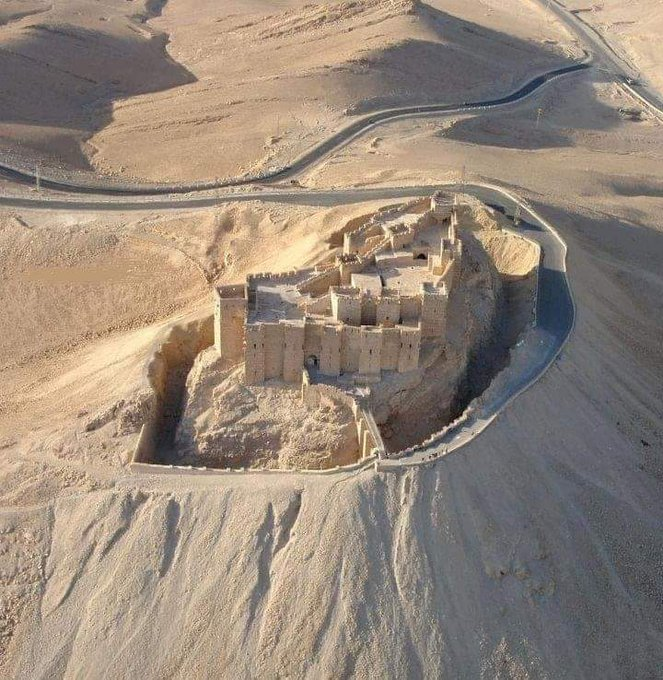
<point x="367" y="311"/>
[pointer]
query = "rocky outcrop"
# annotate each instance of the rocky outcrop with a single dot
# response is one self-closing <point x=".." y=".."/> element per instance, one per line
<point x="227" y="424"/>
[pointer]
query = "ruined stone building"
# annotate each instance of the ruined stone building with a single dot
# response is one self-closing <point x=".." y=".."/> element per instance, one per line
<point x="367" y="311"/>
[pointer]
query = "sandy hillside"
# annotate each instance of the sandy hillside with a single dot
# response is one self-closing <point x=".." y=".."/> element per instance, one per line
<point x="15" y="10"/>
<point x="534" y="552"/>
<point x="221" y="92"/>
<point x="62" y="284"/>
<point x="581" y="137"/>
<point x="634" y="29"/>
<point x="62" y="67"/>
<point x="273" y="78"/>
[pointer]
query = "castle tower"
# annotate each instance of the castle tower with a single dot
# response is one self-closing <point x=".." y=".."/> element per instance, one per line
<point x="388" y="310"/>
<point x="349" y="246"/>
<point x="408" y="358"/>
<point x="441" y="205"/>
<point x="391" y="345"/>
<point x="346" y="305"/>
<point x="293" y="351"/>
<point x="330" y="355"/>
<point x="254" y="354"/>
<point x="348" y="265"/>
<point x="433" y="310"/>
<point x="273" y="337"/>
<point x="350" y="349"/>
<point x="229" y="320"/>
<point x="370" y="356"/>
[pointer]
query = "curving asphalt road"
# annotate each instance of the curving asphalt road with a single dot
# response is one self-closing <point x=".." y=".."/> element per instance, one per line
<point x="307" y="159"/>
<point x="607" y="56"/>
<point x="600" y="53"/>
<point x="555" y="318"/>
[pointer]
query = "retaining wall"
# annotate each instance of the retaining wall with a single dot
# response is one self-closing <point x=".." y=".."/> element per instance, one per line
<point x="319" y="284"/>
<point x="368" y="435"/>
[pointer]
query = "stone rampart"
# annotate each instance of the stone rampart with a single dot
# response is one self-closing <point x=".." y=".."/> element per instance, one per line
<point x="273" y="337"/>
<point x="280" y="349"/>
<point x="387" y="310"/>
<point x="325" y="266"/>
<point x="436" y="437"/>
<point x="350" y="349"/>
<point x="391" y="348"/>
<point x="346" y="305"/>
<point x="330" y="354"/>
<point x="320" y="282"/>
<point x="433" y="311"/>
<point x="293" y="351"/>
<point x="319" y="305"/>
<point x="348" y="268"/>
<point x="408" y="356"/>
<point x="381" y="247"/>
<point x="369" y="237"/>
<point x="368" y="434"/>
<point x="410" y="309"/>
<point x="254" y="354"/>
<point x="371" y="350"/>
<point x="230" y="309"/>
<point x="253" y="280"/>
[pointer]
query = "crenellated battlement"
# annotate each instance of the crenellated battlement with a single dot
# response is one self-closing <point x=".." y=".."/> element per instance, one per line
<point x="367" y="311"/>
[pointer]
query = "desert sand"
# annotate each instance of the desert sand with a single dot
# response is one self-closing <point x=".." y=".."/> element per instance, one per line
<point x="223" y="92"/>
<point x="633" y="29"/>
<point x="533" y="552"/>
<point x="226" y="424"/>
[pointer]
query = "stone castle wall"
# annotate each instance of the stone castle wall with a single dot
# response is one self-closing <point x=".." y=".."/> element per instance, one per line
<point x="391" y="348"/>
<point x="408" y="355"/>
<point x="351" y="349"/>
<point x="320" y="282"/>
<point x="280" y="349"/>
<point x="346" y="305"/>
<point x="366" y="334"/>
<point x="254" y="354"/>
<point x="293" y="351"/>
<point x="320" y="305"/>
<point x="371" y="352"/>
<point x="368" y="435"/>
<point x="274" y="350"/>
<point x="230" y="309"/>
<point x="433" y="313"/>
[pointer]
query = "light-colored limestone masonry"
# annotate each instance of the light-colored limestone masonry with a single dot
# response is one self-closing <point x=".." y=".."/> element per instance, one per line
<point x="369" y="439"/>
<point x="343" y="324"/>
<point x="349" y="320"/>
<point x="363" y="335"/>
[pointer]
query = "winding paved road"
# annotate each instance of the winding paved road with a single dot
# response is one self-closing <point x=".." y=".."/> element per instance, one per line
<point x="600" y="53"/>
<point x="608" y="57"/>
<point x="308" y="159"/>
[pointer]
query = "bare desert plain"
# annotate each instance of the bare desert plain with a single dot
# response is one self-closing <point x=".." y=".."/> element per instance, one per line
<point x="533" y="548"/>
